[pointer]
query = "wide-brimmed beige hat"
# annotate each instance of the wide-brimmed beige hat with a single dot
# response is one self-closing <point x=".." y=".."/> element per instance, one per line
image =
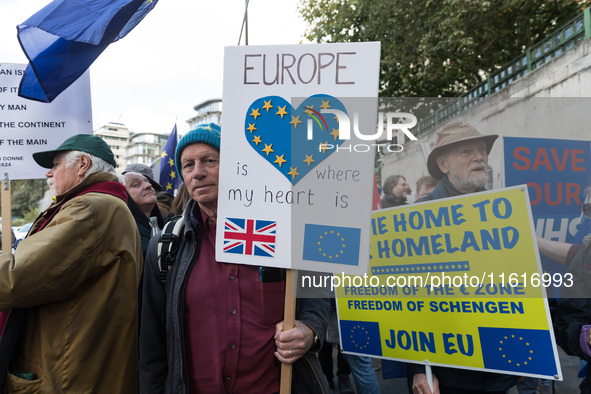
<point x="451" y="134"/>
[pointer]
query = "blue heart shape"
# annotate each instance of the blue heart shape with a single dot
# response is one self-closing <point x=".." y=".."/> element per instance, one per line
<point x="279" y="133"/>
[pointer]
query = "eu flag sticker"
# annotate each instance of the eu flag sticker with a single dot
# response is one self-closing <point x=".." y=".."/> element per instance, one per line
<point x="518" y="350"/>
<point x="361" y="337"/>
<point x="331" y="244"/>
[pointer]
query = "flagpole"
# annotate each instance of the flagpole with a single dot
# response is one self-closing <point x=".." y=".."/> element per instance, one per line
<point x="6" y="215"/>
<point x="244" y="23"/>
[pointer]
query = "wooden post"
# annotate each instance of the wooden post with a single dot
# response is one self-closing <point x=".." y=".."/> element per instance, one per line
<point x="429" y="374"/>
<point x="6" y="216"/>
<point x="288" y="323"/>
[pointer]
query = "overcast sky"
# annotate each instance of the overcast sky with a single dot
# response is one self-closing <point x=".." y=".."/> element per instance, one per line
<point x="171" y="61"/>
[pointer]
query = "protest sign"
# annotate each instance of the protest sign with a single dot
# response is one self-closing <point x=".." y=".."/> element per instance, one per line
<point x="295" y="175"/>
<point x="555" y="173"/>
<point x="455" y="282"/>
<point x="28" y="126"/>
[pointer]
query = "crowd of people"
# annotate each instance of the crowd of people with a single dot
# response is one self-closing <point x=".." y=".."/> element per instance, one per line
<point x="91" y="304"/>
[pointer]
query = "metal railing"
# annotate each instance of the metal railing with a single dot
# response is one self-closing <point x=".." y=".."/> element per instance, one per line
<point x="560" y="41"/>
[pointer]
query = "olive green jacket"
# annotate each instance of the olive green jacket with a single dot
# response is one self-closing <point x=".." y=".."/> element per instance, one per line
<point x="78" y="277"/>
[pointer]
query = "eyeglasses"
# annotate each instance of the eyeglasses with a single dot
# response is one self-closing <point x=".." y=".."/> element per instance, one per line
<point x="586" y="209"/>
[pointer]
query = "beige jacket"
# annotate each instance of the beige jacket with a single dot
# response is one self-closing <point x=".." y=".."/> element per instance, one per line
<point x="79" y="277"/>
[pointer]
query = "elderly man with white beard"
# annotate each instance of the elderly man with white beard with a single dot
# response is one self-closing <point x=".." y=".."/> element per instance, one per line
<point x="69" y="294"/>
<point x="460" y="161"/>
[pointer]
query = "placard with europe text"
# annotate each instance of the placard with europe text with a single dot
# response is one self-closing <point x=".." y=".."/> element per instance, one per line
<point x="295" y="176"/>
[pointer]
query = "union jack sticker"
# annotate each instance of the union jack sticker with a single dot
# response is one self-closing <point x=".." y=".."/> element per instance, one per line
<point x="251" y="237"/>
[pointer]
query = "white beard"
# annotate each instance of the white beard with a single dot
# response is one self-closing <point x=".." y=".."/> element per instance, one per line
<point x="47" y="198"/>
<point x="472" y="182"/>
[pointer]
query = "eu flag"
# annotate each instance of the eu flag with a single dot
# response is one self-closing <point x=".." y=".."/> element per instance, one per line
<point x="65" y="37"/>
<point x="518" y="350"/>
<point x="293" y="140"/>
<point x="169" y="179"/>
<point x="331" y="244"/>
<point x="361" y="337"/>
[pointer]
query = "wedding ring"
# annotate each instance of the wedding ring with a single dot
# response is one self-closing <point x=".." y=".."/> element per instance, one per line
<point x="289" y="352"/>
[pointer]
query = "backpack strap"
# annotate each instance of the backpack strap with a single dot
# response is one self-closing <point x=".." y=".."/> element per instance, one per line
<point x="168" y="245"/>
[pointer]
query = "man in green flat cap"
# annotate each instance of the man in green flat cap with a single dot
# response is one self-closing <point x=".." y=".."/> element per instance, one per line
<point x="71" y="287"/>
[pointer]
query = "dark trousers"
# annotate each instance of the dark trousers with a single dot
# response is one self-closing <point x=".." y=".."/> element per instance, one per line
<point x="325" y="358"/>
<point x="448" y="390"/>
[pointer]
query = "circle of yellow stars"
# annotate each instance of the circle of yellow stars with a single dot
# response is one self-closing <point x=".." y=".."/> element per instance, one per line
<point x="366" y="340"/>
<point x="336" y="254"/>
<point x="295" y="121"/>
<point x="518" y="362"/>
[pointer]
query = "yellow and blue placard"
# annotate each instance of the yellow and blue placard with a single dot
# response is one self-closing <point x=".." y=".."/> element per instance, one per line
<point x="453" y="282"/>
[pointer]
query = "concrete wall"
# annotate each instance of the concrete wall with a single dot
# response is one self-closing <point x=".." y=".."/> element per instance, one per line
<point x="553" y="101"/>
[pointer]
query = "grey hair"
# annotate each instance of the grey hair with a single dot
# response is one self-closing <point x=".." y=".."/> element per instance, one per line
<point x="97" y="164"/>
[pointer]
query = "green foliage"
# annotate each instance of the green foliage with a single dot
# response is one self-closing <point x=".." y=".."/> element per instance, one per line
<point x="433" y="48"/>
<point x="25" y="194"/>
<point x="31" y="215"/>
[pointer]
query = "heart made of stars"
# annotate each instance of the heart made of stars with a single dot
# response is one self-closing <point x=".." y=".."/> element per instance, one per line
<point x="279" y="133"/>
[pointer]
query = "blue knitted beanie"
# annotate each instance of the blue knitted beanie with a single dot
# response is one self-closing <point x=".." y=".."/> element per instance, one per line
<point x="209" y="134"/>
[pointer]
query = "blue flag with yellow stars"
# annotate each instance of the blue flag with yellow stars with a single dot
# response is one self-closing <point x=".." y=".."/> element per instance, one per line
<point x="169" y="179"/>
<point x="293" y="140"/>
<point x="331" y="244"/>
<point x="65" y="37"/>
<point x="361" y="337"/>
<point x="518" y="350"/>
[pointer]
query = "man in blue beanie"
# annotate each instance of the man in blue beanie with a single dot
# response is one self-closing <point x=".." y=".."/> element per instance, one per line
<point x="215" y="327"/>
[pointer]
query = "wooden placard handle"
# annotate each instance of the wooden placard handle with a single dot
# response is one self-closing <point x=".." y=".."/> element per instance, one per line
<point x="6" y="215"/>
<point x="288" y="323"/>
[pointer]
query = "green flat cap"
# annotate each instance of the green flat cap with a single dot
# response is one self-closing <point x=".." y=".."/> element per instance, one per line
<point x="82" y="142"/>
